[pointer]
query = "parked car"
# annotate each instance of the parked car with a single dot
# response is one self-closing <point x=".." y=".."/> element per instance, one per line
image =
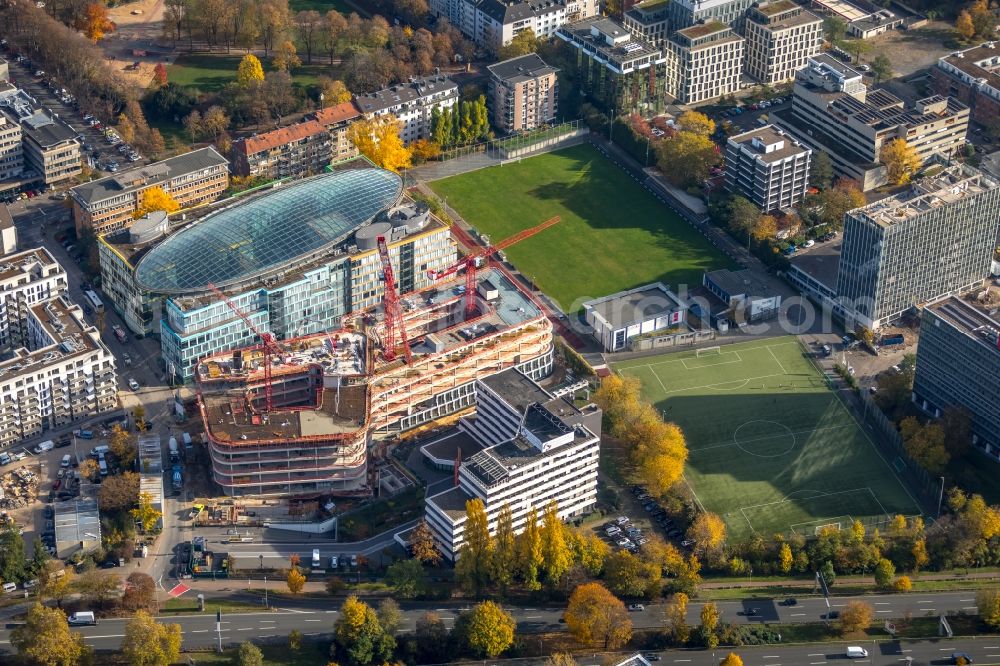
<point x="636" y="607"/>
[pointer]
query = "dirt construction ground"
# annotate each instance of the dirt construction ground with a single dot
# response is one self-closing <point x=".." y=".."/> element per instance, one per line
<point x="911" y="50"/>
<point x="140" y="27"/>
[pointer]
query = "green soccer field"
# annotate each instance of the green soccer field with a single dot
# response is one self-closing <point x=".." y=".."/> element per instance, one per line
<point x="772" y="449"/>
<point x="614" y="235"/>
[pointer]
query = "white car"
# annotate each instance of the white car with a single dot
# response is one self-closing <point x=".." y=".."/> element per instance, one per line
<point x="132" y="384"/>
<point x="809" y="243"/>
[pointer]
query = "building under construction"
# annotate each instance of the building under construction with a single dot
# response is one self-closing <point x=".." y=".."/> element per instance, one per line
<point x="301" y="415"/>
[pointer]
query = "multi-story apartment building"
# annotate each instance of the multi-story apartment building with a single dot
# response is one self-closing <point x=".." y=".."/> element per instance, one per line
<point x="107" y="204"/>
<point x="309" y="258"/>
<point x="57" y="370"/>
<point x="833" y="110"/>
<point x="295" y="150"/>
<point x="26" y="279"/>
<point x="8" y="232"/>
<point x="332" y="393"/>
<point x="493" y="23"/>
<point x="11" y="152"/>
<point x="337" y="119"/>
<point x="686" y="13"/>
<point x="537" y="449"/>
<point x="649" y="21"/>
<point x="411" y="104"/>
<point x="523" y="93"/>
<point x="917" y="247"/>
<point x="619" y="71"/>
<point x="704" y="62"/>
<point x="50" y="147"/>
<point x="768" y="167"/>
<point x="781" y="37"/>
<point x="958" y="364"/>
<point x="972" y="76"/>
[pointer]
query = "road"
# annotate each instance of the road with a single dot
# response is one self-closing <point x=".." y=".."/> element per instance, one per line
<point x="315" y="617"/>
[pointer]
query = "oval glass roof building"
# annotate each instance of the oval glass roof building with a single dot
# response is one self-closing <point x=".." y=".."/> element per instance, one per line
<point x="287" y="227"/>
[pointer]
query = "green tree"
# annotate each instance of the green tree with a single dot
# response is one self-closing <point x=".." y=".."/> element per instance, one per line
<point x="523" y="43"/>
<point x="828" y="572"/>
<point x="988" y="604"/>
<point x="12" y="558"/>
<point x="743" y="216"/>
<point x="504" y="556"/>
<point x="529" y="551"/>
<point x="406" y="578"/>
<point x="925" y="444"/>
<point x="881" y="68"/>
<point x="709" y="625"/>
<point x="150" y="643"/>
<point x="431" y="636"/>
<point x="488" y="630"/>
<point x="249" y="655"/>
<point x="556" y="555"/>
<point x="835" y="28"/>
<point x="359" y="636"/>
<point x="956" y="422"/>
<point x="821" y="170"/>
<point x="629" y="576"/>
<point x="885" y="572"/>
<point x="389" y="616"/>
<point x="473" y="566"/>
<point x="250" y="73"/>
<point x="45" y="639"/>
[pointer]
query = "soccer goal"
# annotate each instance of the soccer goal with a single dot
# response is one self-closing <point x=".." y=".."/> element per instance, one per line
<point x="709" y="351"/>
<point x="819" y="529"/>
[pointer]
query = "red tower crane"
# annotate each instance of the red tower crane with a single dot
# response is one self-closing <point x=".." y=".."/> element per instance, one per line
<point x="393" y="313"/>
<point x="469" y="260"/>
<point x="268" y="345"/>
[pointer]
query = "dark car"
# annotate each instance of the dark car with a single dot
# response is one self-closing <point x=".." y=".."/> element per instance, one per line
<point x="961" y="658"/>
<point x="651" y="657"/>
<point x="752" y="612"/>
<point x="832" y="615"/>
<point x="674" y="533"/>
<point x="790" y="601"/>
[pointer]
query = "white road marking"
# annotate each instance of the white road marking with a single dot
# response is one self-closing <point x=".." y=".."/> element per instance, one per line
<point x="680" y="660"/>
<point x="245" y="629"/>
<point x="797" y="615"/>
<point x="927" y="610"/>
<point x="965" y="601"/>
<point x="925" y="601"/>
<point x="888" y="611"/>
<point x="816" y="654"/>
<point x="532" y="617"/>
<point x="970" y="607"/>
<point x="771" y="656"/>
<point x="814" y="663"/>
<point x="199" y="631"/>
<point x="838" y="605"/>
<point x="883" y="603"/>
<point x="314" y="620"/>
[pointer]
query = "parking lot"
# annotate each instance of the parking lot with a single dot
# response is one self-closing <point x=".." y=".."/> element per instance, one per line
<point x="96" y="148"/>
<point x="648" y="518"/>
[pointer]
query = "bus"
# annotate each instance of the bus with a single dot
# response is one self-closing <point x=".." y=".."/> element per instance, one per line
<point x="94" y="300"/>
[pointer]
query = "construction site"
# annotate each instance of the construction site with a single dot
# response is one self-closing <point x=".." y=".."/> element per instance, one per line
<point x="308" y="415"/>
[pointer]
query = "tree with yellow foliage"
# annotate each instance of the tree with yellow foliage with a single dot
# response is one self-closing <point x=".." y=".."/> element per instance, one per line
<point x="675" y="616"/>
<point x="855" y="616"/>
<point x="785" y="558"/>
<point x="145" y="514"/>
<point x="556" y="555"/>
<point x="731" y="659"/>
<point x="285" y="56"/>
<point x="250" y="72"/>
<point x="378" y="139"/>
<point x="529" y="551"/>
<point x="295" y="580"/>
<point x="594" y="615"/>
<point x="964" y="27"/>
<point x="697" y="123"/>
<point x="473" y="566"/>
<point x="902" y="584"/>
<point x="687" y="158"/>
<point x="901" y="161"/>
<point x="154" y="199"/>
<point x="709" y="625"/>
<point x="766" y="227"/>
<point x="334" y="91"/>
<point x="95" y="23"/>
<point x="988" y="603"/>
<point x="709" y="534"/>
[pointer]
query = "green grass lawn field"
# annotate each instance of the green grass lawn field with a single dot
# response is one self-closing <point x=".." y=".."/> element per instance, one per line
<point x="209" y="73"/>
<point x="772" y="449"/>
<point x="614" y="234"/>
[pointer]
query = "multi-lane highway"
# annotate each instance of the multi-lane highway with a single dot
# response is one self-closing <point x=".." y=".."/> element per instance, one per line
<point x="315" y="617"/>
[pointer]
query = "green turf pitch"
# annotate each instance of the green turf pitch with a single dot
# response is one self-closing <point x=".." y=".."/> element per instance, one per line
<point x="614" y="235"/>
<point x="771" y="447"/>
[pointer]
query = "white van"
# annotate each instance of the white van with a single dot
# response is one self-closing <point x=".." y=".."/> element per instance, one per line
<point x="47" y="445"/>
<point x="187" y="440"/>
<point x="333" y="562"/>
<point x="9" y="587"/>
<point x="855" y="652"/>
<point x="103" y="465"/>
<point x="99" y="451"/>
<point x="66" y="460"/>
<point x="82" y="618"/>
<point x="316" y="561"/>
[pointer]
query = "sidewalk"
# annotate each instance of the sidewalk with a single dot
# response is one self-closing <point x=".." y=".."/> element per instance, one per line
<point x="845" y="580"/>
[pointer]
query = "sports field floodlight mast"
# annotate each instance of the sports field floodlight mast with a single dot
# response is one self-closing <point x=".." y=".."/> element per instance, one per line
<point x="470" y="260"/>
<point x="268" y="345"/>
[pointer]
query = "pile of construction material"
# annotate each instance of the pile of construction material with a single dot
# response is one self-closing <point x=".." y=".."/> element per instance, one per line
<point x="19" y="488"/>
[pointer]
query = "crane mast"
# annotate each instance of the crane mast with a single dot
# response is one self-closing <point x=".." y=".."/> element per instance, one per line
<point x="393" y="312"/>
